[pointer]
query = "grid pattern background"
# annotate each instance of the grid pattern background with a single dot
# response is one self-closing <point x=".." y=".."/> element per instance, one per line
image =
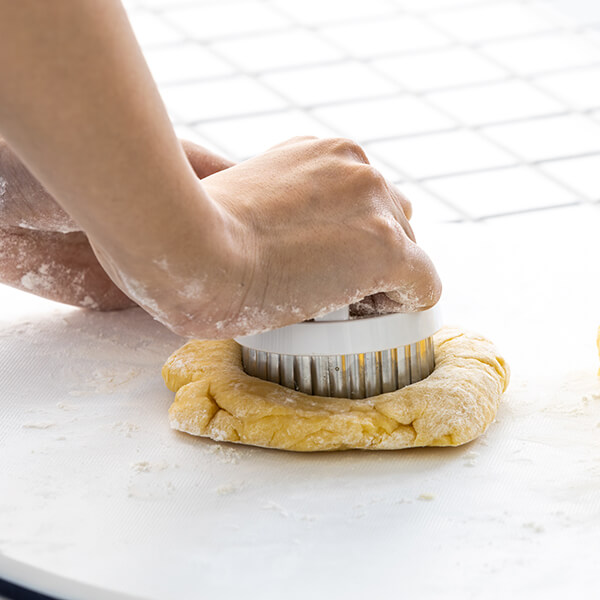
<point x="475" y="108"/>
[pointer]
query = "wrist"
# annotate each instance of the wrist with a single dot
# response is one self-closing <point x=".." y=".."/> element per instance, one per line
<point x="193" y="277"/>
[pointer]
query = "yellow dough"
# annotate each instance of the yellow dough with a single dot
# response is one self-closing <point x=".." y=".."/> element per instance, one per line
<point x="598" y="345"/>
<point x="454" y="405"/>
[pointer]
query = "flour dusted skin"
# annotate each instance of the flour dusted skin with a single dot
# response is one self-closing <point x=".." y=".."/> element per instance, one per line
<point x="215" y="398"/>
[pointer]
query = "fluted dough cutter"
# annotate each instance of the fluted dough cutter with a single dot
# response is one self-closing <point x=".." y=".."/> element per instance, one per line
<point x="345" y="357"/>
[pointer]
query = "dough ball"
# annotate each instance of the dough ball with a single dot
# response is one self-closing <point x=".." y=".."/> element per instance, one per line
<point x="454" y="405"/>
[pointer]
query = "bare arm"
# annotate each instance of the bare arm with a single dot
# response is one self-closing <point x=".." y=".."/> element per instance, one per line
<point x="44" y="252"/>
<point x="79" y="106"/>
<point x="304" y="227"/>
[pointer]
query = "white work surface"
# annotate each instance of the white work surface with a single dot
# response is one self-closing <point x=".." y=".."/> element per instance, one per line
<point x="96" y="488"/>
<point x="473" y="109"/>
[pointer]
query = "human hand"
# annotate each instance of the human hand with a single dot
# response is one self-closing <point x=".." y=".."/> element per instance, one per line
<point x="328" y="231"/>
<point x="305" y="228"/>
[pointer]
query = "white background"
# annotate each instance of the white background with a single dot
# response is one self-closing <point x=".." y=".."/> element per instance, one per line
<point x="485" y="113"/>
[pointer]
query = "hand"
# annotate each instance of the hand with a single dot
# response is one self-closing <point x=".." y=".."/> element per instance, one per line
<point x="43" y="250"/>
<point x="306" y="227"/>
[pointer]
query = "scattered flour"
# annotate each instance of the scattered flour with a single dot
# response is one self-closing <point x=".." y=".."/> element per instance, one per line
<point x="147" y="489"/>
<point x="286" y="513"/>
<point x="138" y="291"/>
<point x="88" y="302"/>
<point x="227" y="489"/>
<point x="25" y="225"/>
<point x="277" y="508"/>
<point x="143" y="466"/>
<point x="470" y="459"/>
<point x="406" y="297"/>
<point x="589" y="398"/>
<point x="39" y="280"/>
<point x="224" y="454"/>
<point x="3" y="186"/>
<point x="162" y="264"/>
<point x="103" y="380"/>
<point x="39" y="425"/>
<point x="535" y="527"/>
<point x="126" y="428"/>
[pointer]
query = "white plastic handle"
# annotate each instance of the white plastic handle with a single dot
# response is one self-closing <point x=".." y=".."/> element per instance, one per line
<point x="354" y="336"/>
<point x="341" y="314"/>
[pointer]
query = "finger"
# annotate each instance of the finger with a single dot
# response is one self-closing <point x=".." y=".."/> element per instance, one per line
<point x="399" y="218"/>
<point x="416" y="283"/>
<point x="344" y="147"/>
<point x="406" y="226"/>
<point x="203" y="161"/>
<point x="402" y="200"/>
<point x="295" y="140"/>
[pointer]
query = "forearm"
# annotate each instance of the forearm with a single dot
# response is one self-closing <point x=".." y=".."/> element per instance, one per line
<point x="57" y="266"/>
<point x="23" y="200"/>
<point x="79" y="106"/>
<point x="25" y="203"/>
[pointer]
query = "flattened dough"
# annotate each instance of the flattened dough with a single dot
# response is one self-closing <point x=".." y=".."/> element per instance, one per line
<point x="454" y="405"/>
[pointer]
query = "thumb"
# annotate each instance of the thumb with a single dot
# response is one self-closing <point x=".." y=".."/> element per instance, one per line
<point x="203" y="161"/>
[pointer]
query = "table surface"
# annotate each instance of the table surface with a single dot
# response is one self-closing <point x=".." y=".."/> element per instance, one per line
<point x="475" y="109"/>
<point x="97" y="489"/>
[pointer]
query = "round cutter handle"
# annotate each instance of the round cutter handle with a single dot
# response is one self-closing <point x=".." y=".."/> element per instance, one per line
<point x="353" y="336"/>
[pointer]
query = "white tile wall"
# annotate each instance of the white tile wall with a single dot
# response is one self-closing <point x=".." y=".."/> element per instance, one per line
<point x="329" y="84"/>
<point x="587" y="11"/>
<point x="543" y="139"/>
<point x="502" y="192"/>
<point x="203" y="101"/>
<point x="430" y="6"/>
<point x="442" y="153"/>
<point x="492" y="21"/>
<point x="384" y="118"/>
<point x="150" y="30"/>
<point x="542" y="53"/>
<point x="185" y="132"/>
<point x="582" y="174"/>
<point x="452" y="66"/>
<point x="224" y="20"/>
<point x="580" y="89"/>
<point x="244" y="137"/>
<point x="426" y="207"/>
<point x="476" y="108"/>
<point x="278" y="50"/>
<point x="185" y="62"/>
<point x="495" y="102"/>
<point x="382" y="37"/>
<point x="319" y="12"/>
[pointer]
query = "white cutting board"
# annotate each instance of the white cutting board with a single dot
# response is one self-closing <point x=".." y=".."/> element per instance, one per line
<point x="98" y="492"/>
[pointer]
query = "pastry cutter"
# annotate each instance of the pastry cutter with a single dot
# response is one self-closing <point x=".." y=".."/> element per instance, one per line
<point x="345" y="357"/>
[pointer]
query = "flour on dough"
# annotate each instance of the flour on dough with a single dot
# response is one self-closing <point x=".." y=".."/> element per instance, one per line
<point x="598" y="345"/>
<point x="454" y="405"/>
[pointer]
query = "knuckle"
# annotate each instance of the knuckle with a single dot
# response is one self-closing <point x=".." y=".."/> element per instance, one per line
<point x="369" y="177"/>
<point x="344" y="145"/>
<point x="302" y="138"/>
<point x="375" y="175"/>
<point x="386" y="231"/>
<point x="406" y="204"/>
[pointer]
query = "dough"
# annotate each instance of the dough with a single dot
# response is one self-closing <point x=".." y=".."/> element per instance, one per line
<point x="598" y="345"/>
<point x="454" y="405"/>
